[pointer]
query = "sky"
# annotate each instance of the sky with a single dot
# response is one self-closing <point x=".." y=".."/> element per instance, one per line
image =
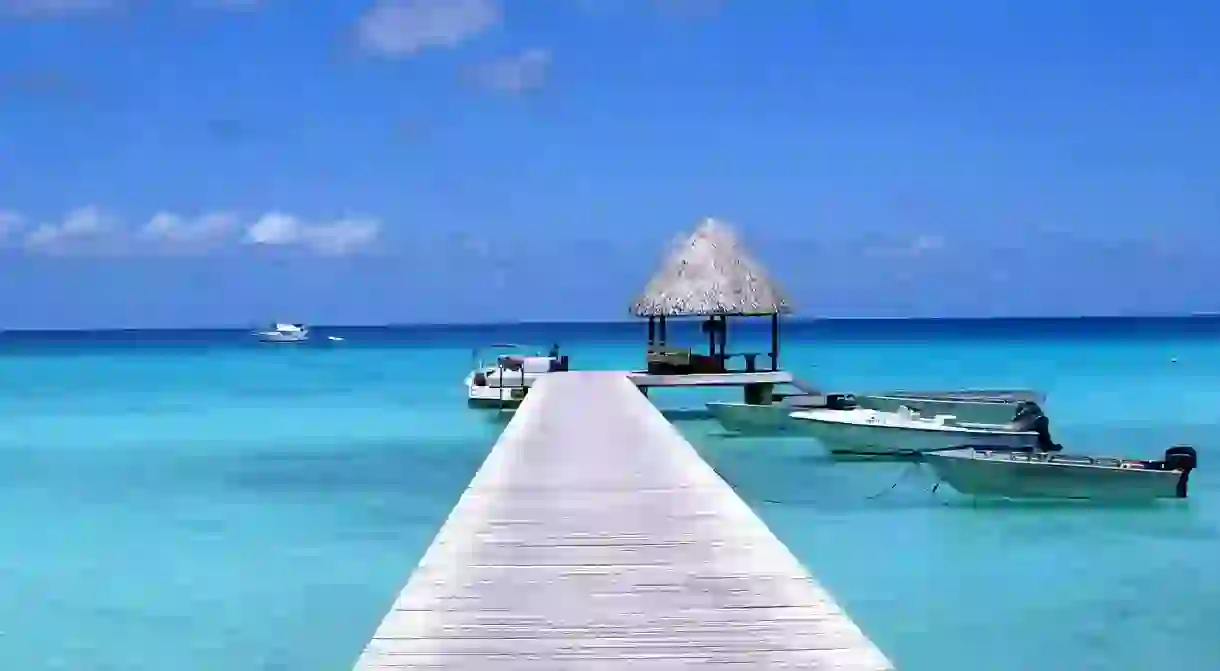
<point x="226" y="162"/>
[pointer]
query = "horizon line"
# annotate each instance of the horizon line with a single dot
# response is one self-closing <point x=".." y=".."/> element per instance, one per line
<point x="635" y="320"/>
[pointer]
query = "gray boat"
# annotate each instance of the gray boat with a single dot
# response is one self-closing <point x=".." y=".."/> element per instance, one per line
<point x="998" y="473"/>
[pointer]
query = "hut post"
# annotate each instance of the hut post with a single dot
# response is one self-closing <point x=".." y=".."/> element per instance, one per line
<point x="652" y="331"/>
<point x="724" y="335"/>
<point x="662" y="334"/>
<point x="775" y="341"/>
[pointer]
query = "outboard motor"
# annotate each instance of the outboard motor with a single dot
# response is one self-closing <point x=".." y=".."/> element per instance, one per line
<point x="1183" y="458"/>
<point x="840" y="402"/>
<point x="1030" y="417"/>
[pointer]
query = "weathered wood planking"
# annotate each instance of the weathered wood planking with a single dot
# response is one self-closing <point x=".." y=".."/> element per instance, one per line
<point x="594" y="536"/>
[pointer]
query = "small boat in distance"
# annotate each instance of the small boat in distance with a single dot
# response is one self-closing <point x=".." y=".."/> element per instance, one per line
<point x="503" y="382"/>
<point x="845" y="428"/>
<point x="283" y="333"/>
<point x="985" y="472"/>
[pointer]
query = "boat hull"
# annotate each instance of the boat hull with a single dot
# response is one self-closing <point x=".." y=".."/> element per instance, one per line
<point x="1017" y="476"/>
<point x="283" y="337"/>
<point x="495" y="397"/>
<point x="842" y="433"/>
<point x="754" y="420"/>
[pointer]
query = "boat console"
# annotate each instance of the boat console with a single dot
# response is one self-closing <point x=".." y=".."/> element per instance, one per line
<point x="841" y="402"/>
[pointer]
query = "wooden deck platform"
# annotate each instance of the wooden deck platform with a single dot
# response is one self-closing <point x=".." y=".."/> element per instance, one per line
<point x="594" y="537"/>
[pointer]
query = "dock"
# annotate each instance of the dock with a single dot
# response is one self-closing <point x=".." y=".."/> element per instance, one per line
<point x="593" y="537"/>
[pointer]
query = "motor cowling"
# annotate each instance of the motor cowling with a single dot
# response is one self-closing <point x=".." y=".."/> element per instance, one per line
<point x="1030" y="417"/>
<point x="1181" y="458"/>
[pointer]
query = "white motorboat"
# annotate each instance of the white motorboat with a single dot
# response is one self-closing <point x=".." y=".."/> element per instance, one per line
<point x="283" y="333"/>
<point x="845" y="428"/>
<point x="986" y="472"/>
<point x="970" y="406"/>
<point x="503" y="382"/>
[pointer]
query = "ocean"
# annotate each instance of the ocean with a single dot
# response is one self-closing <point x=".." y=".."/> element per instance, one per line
<point x="192" y="500"/>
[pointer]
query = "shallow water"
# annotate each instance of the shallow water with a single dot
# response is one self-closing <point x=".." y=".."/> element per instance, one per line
<point x="193" y="502"/>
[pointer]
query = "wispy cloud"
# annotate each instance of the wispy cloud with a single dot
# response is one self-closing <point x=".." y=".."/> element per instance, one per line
<point x="332" y="238"/>
<point x="90" y="231"/>
<point x="84" y="231"/>
<point x="171" y="232"/>
<point x="519" y="74"/>
<point x="399" y="28"/>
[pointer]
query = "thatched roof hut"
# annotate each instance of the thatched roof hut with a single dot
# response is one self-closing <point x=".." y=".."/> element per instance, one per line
<point x="711" y="273"/>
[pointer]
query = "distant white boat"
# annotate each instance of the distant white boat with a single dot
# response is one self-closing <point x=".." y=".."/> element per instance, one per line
<point x="283" y="333"/>
<point x="1004" y="474"/>
<point x="845" y="428"/>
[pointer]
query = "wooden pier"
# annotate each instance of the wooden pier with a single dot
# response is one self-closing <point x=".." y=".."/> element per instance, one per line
<point x="595" y="537"/>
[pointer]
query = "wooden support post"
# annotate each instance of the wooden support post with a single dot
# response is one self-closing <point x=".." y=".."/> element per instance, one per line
<point x="775" y="341"/>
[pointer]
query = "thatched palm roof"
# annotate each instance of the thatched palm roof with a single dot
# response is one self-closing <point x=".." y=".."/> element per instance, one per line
<point x="710" y="274"/>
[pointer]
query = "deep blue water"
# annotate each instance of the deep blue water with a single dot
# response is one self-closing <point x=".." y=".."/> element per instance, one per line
<point x="193" y="500"/>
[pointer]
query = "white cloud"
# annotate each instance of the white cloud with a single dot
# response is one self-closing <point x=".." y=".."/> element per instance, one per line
<point x="171" y="231"/>
<point x="396" y="28"/>
<point x="89" y="231"/>
<point x="333" y="238"/>
<point x="86" y="230"/>
<point x="518" y="74"/>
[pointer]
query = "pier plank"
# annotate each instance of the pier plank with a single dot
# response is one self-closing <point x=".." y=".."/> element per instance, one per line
<point x="593" y="536"/>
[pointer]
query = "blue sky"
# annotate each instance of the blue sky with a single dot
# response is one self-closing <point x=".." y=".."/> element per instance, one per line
<point x="207" y="162"/>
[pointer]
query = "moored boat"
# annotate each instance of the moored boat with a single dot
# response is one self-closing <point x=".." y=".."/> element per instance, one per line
<point x="504" y="381"/>
<point x="986" y="472"/>
<point x="845" y="428"/>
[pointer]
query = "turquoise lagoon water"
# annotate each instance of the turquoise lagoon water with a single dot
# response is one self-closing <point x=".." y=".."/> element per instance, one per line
<point x="192" y="501"/>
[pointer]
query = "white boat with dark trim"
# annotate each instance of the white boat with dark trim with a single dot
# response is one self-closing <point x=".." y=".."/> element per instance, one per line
<point x="983" y="406"/>
<point x="986" y="472"/>
<point x="503" y="381"/>
<point x="845" y="428"/>
<point x="283" y="333"/>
